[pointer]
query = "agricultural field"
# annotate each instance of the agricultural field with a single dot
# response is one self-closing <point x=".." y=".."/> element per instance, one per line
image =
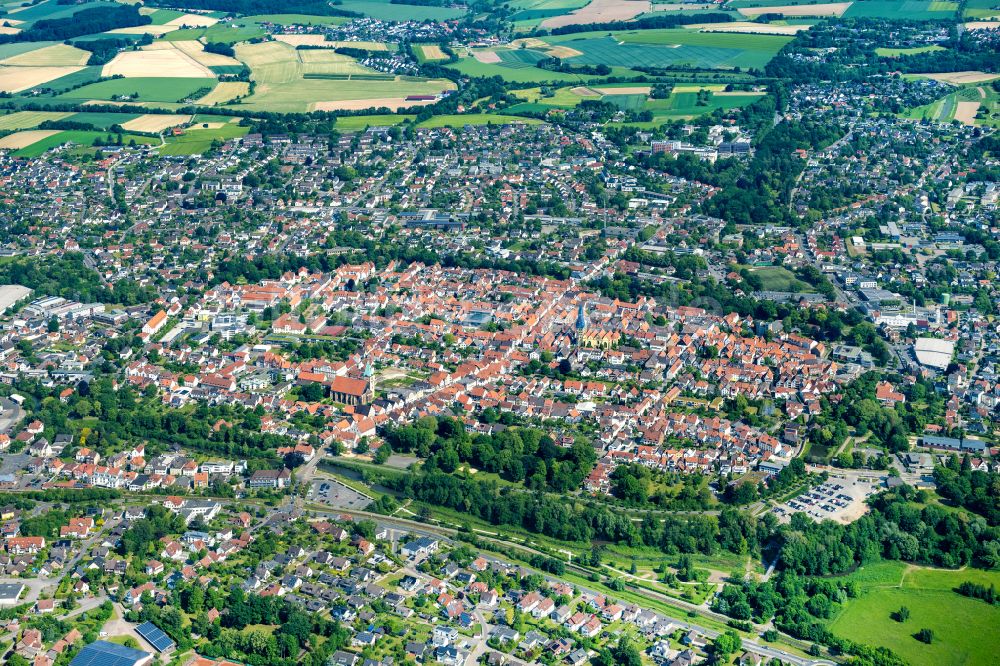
<point x="154" y="123"/>
<point x="962" y="105"/>
<point x="291" y="81"/>
<point x="225" y="92"/>
<point x="663" y="48"/>
<point x="913" y="10"/>
<point x="357" y="123"/>
<point x="226" y="34"/>
<point x="386" y="11"/>
<point x="460" y="120"/>
<point x="794" y="9"/>
<point x="529" y="14"/>
<point x="964" y="629"/>
<point x="600" y="11"/>
<point x="16" y="79"/>
<point x="57" y="55"/>
<point x="199" y="139"/>
<point x="141" y="89"/>
<point x="981" y="9"/>
<point x="429" y="53"/>
<point x="102" y="120"/>
<point x="27" y="119"/>
<point x="81" y="137"/>
<point x="898" y="53"/>
<point x="196" y="51"/>
<point x="163" y="59"/>
<point x="24" y="138"/>
<point x="293" y="19"/>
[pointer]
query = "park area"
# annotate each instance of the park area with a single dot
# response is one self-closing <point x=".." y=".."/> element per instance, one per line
<point x="964" y="629"/>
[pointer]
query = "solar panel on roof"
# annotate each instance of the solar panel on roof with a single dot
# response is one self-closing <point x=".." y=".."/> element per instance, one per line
<point x="103" y="653"/>
<point x="155" y="636"/>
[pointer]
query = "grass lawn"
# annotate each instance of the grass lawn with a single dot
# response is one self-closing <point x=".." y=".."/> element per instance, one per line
<point x="356" y="123"/>
<point x="964" y="629"/>
<point x="102" y="120"/>
<point x="778" y="278"/>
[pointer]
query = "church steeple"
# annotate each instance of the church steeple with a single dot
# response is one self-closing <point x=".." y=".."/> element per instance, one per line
<point x="581" y="319"/>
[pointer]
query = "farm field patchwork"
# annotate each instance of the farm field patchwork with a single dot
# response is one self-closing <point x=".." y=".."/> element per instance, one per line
<point x="102" y="120"/>
<point x="600" y="11"/>
<point x="81" y="137"/>
<point x="24" y="138"/>
<point x="293" y="19"/>
<point x="981" y="9"/>
<point x="429" y="53"/>
<point x="196" y="51"/>
<point x="281" y="72"/>
<point x="824" y="9"/>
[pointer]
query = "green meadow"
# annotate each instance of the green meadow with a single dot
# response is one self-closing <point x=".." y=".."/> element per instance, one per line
<point x="965" y="630"/>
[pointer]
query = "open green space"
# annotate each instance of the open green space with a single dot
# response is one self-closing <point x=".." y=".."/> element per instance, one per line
<point x="778" y="278"/>
<point x="217" y="33"/>
<point x="964" y="629"/>
<point x="141" y="89"/>
<point x="53" y="9"/>
<point x="164" y="16"/>
<point x="909" y="10"/>
<point x="356" y="123"/>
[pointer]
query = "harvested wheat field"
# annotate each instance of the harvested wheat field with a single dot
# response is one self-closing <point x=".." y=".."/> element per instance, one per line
<point x="562" y="52"/>
<point x="196" y="50"/>
<point x="750" y="28"/>
<point x="827" y="9"/>
<point x="584" y="91"/>
<point x="170" y="63"/>
<point x="486" y="57"/>
<point x="965" y="112"/>
<point x="982" y="25"/>
<point x="601" y="11"/>
<point x="960" y="78"/>
<point x="432" y="52"/>
<point x="9" y="30"/>
<point x="304" y="40"/>
<point x="365" y="45"/>
<point x="193" y="21"/>
<point x="393" y="103"/>
<point x="57" y="55"/>
<point x="19" y="140"/>
<point x="154" y="30"/>
<point x="225" y="91"/>
<point x="16" y="79"/>
<point x="152" y="122"/>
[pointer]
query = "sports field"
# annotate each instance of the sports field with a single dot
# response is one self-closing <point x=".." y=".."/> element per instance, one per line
<point x="964" y="629"/>
<point x="141" y="89"/>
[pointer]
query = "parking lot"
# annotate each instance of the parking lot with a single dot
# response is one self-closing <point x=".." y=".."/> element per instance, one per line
<point x="839" y="499"/>
<point x="336" y="495"/>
